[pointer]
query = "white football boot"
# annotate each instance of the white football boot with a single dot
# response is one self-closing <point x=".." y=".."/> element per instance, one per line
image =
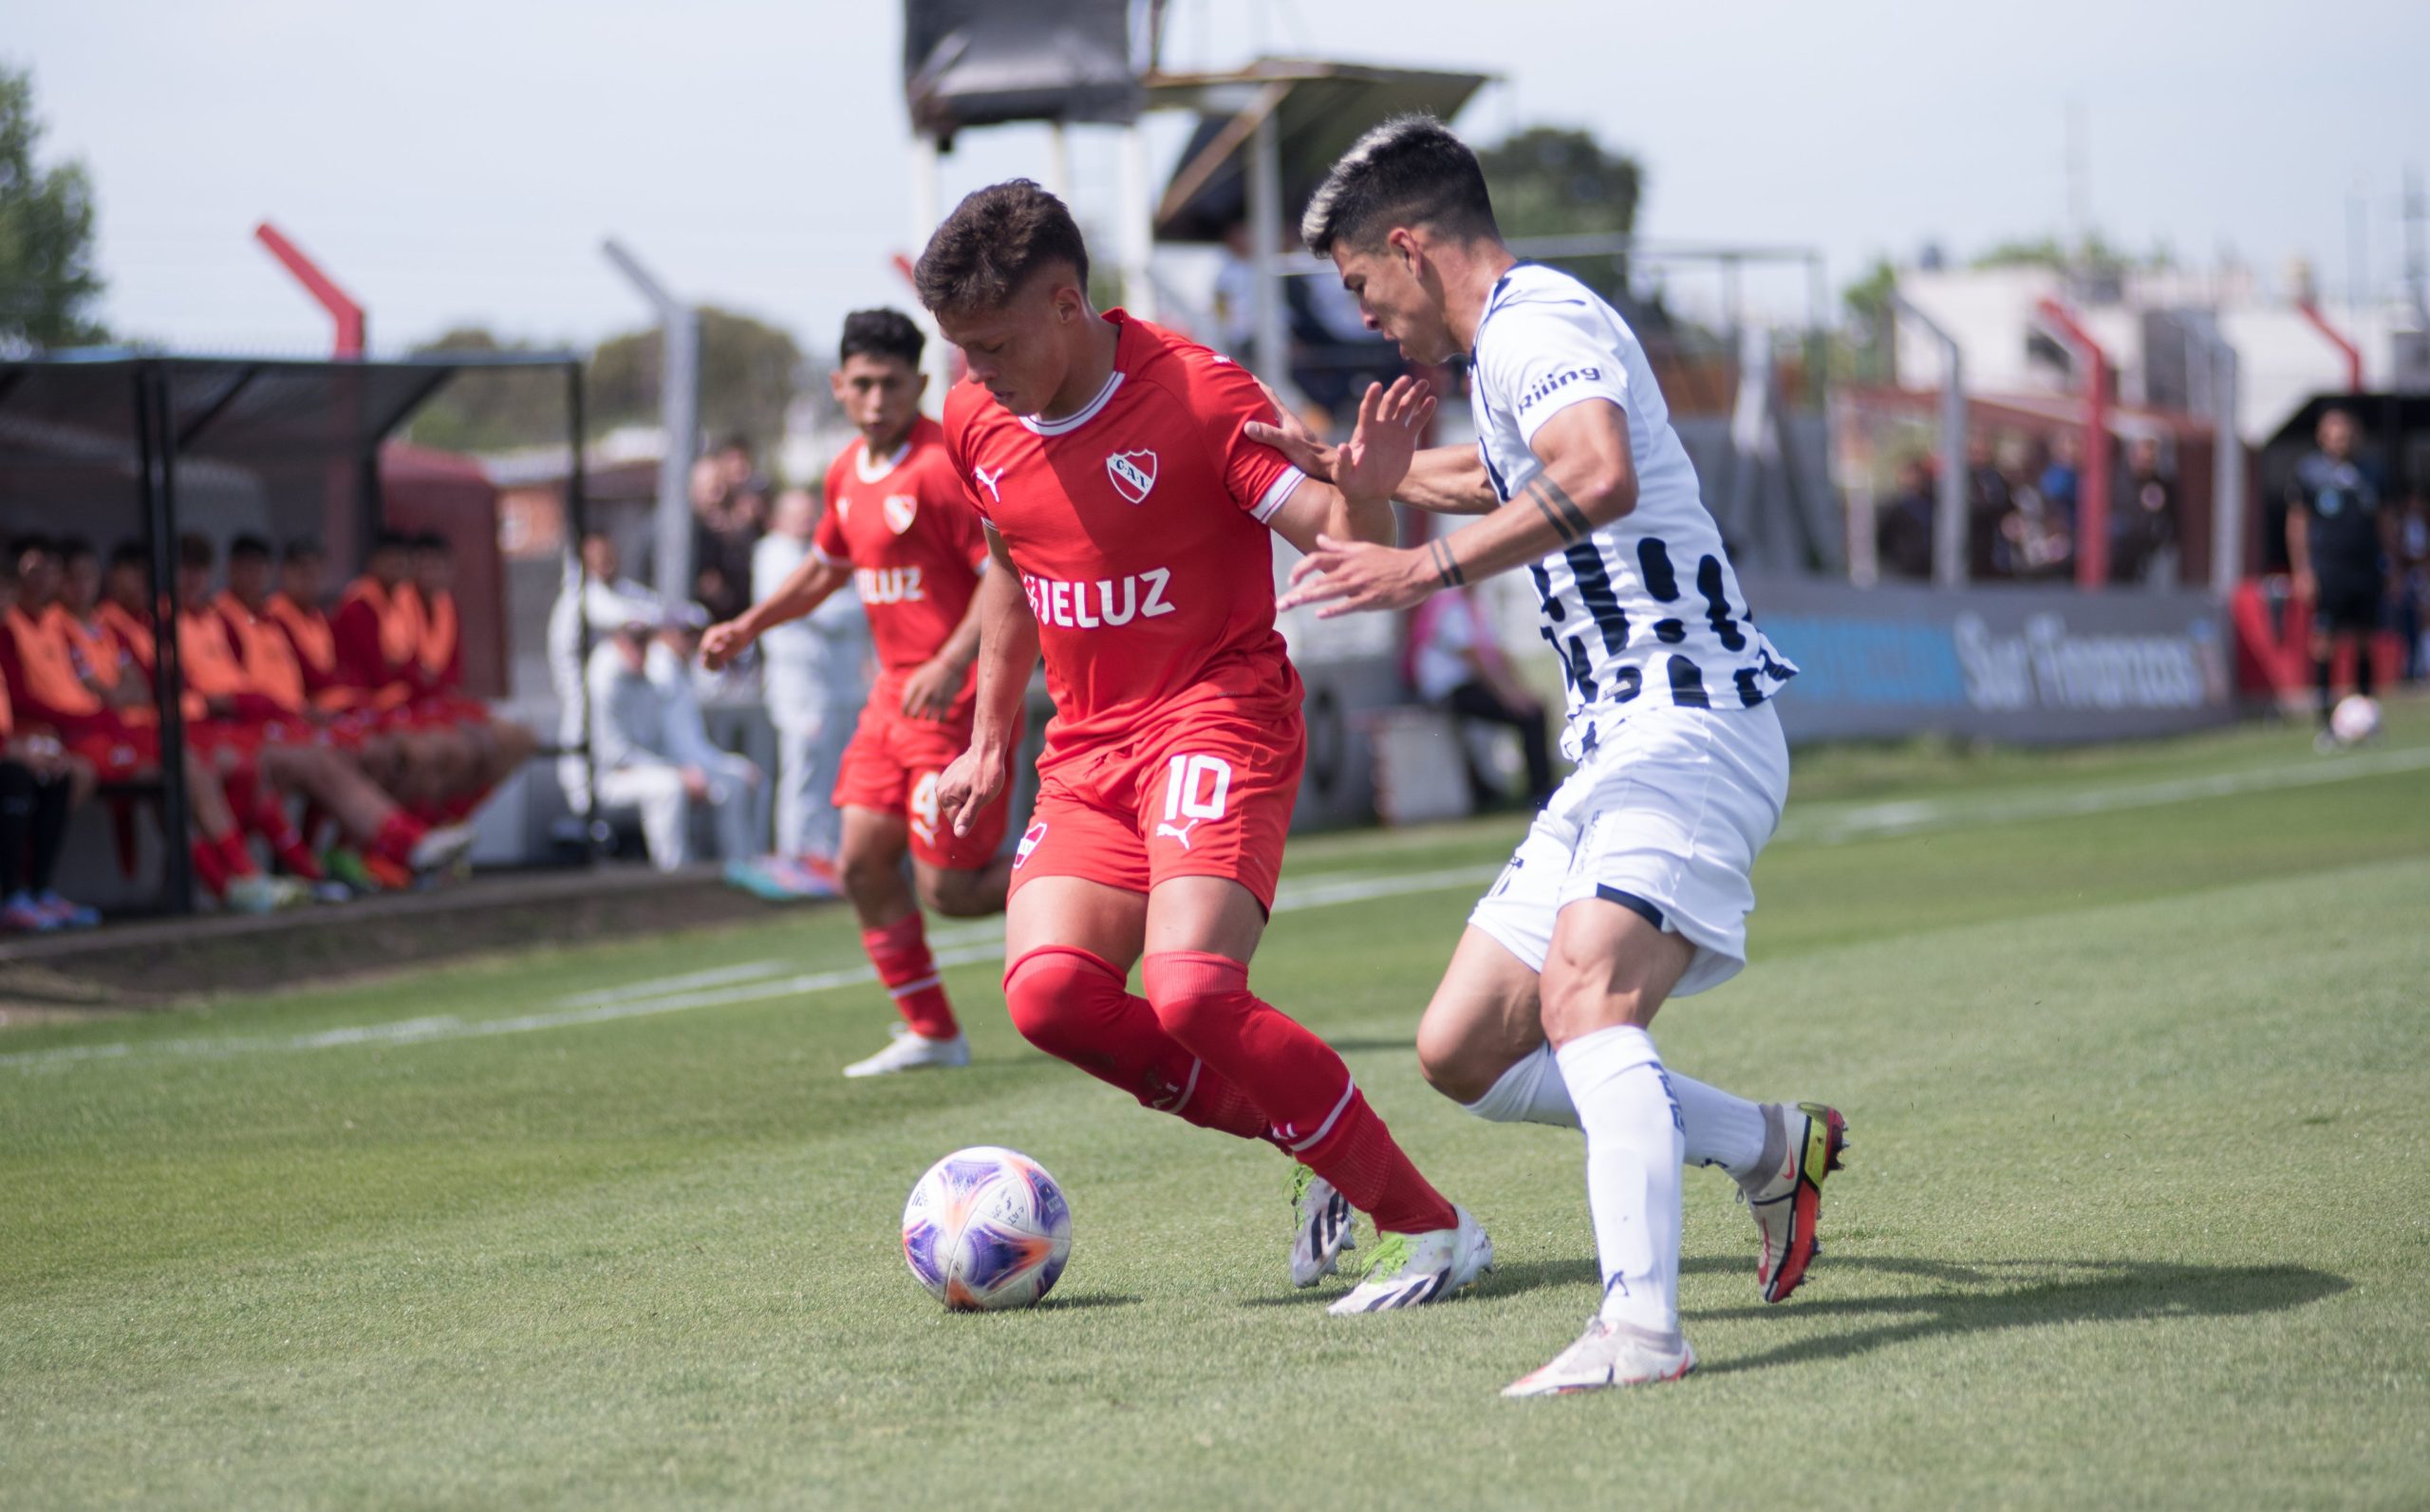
<point x="1321" y="1227"/>
<point x="1609" y="1355"/>
<point x="1409" y="1270"/>
<point x="441" y="847"/>
<point x="1802" y="1146"/>
<point x="911" y="1051"/>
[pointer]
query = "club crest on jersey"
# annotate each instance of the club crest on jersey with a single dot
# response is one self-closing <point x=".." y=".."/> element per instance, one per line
<point x="899" y="508"/>
<point x="1134" y="474"/>
<point x="1030" y="837"/>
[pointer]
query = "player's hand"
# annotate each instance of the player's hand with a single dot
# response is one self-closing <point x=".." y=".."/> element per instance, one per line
<point x="1348" y="576"/>
<point x="722" y="642"/>
<point x="1298" y="445"/>
<point x="929" y="691"/>
<point x="1373" y="462"/>
<point x="696" y="784"/>
<point x="965" y="788"/>
<point x="2307" y="587"/>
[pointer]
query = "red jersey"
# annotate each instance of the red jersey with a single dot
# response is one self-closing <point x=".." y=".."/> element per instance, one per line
<point x="911" y="540"/>
<point x="1139" y="527"/>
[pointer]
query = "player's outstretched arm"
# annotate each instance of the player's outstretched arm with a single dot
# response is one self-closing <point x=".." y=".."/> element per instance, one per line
<point x="1441" y="479"/>
<point x="1588" y="479"/>
<point x="1358" y="503"/>
<point x="1007" y="652"/>
<point x="804" y="589"/>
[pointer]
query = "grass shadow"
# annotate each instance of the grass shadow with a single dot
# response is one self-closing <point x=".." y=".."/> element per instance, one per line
<point x="1987" y="1296"/>
<point x="1058" y="1302"/>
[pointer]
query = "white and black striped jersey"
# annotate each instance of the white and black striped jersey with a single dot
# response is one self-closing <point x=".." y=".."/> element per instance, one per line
<point x="1645" y="611"/>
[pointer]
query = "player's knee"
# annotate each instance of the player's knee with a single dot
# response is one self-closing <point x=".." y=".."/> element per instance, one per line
<point x="1198" y="997"/>
<point x="1452" y="1062"/>
<point x="961" y="894"/>
<point x="1054" y="993"/>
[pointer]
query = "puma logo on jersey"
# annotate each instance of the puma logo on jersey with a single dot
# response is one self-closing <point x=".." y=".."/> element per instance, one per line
<point x="1134" y="474"/>
<point x="889" y="585"/>
<point x="1180" y="832"/>
<point x="988" y="480"/>
<point x="1105" y="603"/>
<point x="901" y="508"/>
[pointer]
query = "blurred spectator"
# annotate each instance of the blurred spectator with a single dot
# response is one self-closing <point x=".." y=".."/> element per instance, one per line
<point x="2340" y="541"/>
<point x="652" y="752"/>
<point x="2143" y="519"/>
<point x="1455" y="664"/>
<point x="1989" y="551"/>
<point x="2041" y="542"/>
<point x="817" y="680"/>
<point x="2062" y="475"/>
<point x="597" y="595"/>
<point x="2412" y="585"/>
<point x="1903" y="529"/>
<point x="1333" y="353"/>
<point x="729" y="515"/>
<point x="40" y="782"/>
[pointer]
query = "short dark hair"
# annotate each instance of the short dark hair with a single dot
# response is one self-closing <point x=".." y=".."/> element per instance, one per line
<point x="881" y="333"/>
<point x="248" y="547"/>
<point x="995" y="241"/>
<point x="20" y="547"/>
<point x="734" y="442"/>
<point x="304" y="549"/>
<point x="392" y="541"/>
<point x="130" y="554"/>
<point x="1411" y="171"/>
<point x="431" y="541"/>
<point x="74" y="547"/>
<point x="194" y="551"/>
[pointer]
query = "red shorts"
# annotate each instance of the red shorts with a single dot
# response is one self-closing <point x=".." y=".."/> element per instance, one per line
<point x="892" y="764"/>
<point x="1208" y="794"/>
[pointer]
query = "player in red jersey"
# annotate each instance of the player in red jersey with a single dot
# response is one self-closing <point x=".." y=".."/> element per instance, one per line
<point x="899" y="530"/>
<point x="1130" y="520"/>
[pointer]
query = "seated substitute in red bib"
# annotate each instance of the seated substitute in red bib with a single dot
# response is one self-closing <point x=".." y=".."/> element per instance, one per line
<point x="898" y="528"/>
<point x="1130" y="524"/>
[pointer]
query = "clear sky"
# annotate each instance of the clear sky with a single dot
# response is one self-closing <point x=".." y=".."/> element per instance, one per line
<point x="460" y="162"/>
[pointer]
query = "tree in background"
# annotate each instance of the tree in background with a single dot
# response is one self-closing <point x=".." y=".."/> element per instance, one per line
<point x="49" y="283"/>
<point x="1552" y="181"/>
<point x="747" y="371"/>
<point x="491" y="411"/>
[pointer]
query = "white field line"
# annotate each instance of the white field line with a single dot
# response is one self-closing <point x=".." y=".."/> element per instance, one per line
<point x="1838" y="825"/>
<point x="982" y="940"/>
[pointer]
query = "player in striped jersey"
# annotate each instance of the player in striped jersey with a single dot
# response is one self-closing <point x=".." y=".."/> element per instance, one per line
<point x="1632" y="885"/>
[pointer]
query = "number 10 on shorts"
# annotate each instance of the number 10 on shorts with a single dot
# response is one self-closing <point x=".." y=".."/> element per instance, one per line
<point x="1195" y="788"/>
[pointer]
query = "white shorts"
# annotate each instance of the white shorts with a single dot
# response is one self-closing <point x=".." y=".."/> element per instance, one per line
<point x="1664" y="818"/>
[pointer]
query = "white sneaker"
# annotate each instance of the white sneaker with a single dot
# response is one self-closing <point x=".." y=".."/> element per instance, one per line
<point x="1609" y="1355"/>
<point x="1805" y="1144"/>
<point x="1411" y="1269"/>
<point x="438" y="848"/>
<point x="264" y="894"/>
<point x="910" y="1052"/>
<point x="1321" y="1227"/>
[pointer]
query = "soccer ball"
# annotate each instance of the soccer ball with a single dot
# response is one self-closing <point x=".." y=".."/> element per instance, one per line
<point x="986" y="1229"/>
<point x="2355" y="719"/>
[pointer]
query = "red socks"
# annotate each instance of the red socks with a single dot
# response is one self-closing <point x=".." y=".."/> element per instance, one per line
<point x="1310" y="1106"/>
<point x="399" y="833"/>
<point x="1074" y="1005"/>
<point x="210" y="866"/>
<point x="900" y="953"/>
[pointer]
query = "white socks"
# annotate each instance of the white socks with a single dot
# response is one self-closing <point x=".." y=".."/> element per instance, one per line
<point x="1634" y="1148"/>
<point x="1720" y="1130"/>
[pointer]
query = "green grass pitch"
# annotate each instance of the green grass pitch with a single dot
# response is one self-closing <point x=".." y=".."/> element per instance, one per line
<point x="2135" y="1045"/>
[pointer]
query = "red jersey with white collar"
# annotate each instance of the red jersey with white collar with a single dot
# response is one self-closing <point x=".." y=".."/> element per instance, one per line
<point x="908" y="532"/>
<point x="1139" y="527"/>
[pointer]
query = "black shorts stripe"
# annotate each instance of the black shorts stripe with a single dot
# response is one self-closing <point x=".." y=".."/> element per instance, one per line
<point x="1632" y="902"/>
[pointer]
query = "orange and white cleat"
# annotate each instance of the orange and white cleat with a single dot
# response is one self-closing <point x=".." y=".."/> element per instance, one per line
<point x="1788" y="1202"/>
